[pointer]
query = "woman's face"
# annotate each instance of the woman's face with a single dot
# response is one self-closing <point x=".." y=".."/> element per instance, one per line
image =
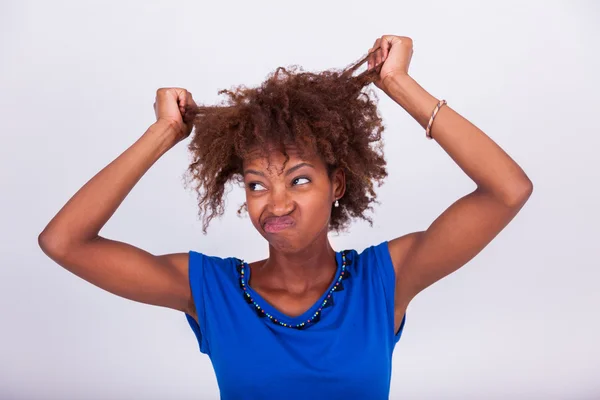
<point x="291" y="207"/>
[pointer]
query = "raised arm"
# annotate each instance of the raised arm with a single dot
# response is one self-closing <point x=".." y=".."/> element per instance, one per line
<point x="469" y="224"/>
<point x="72" y="237"/>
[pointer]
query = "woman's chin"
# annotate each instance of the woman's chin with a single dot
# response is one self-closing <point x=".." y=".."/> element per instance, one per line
<point x="286" y="240"/>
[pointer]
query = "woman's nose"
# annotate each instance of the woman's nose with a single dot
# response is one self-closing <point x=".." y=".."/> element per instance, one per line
<point x="280" y="202"/>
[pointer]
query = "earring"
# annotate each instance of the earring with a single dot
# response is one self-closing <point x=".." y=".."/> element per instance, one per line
<point x="337" y="203"/>
<point x="244" y="208"/>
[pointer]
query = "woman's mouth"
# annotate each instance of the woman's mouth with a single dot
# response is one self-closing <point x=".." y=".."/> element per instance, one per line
<point x="277" y="224"/>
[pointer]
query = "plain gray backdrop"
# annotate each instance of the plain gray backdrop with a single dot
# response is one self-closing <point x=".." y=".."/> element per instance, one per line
<point x="77" y="84"/>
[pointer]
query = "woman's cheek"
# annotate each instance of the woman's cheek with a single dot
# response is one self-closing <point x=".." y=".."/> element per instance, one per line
<point x="253" y="209"/>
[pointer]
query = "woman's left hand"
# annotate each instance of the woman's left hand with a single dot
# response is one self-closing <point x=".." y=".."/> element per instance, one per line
<point x="395" y="53"/>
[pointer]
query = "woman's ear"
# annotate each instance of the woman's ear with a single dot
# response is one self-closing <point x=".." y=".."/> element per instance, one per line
<point x="339" y="183"/>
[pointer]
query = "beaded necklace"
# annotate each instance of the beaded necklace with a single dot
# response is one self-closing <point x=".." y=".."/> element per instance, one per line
<point x="316" y="317"/>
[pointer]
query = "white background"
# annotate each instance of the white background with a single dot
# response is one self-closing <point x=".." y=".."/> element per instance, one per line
<point x="77" y="83"/>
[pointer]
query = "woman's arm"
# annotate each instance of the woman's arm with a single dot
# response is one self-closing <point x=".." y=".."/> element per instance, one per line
<point x="469" y="224"/>
<point x="72" y="238"/>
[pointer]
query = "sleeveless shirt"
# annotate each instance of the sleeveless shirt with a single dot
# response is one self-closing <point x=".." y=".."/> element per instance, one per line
<point x="346" y="354"/>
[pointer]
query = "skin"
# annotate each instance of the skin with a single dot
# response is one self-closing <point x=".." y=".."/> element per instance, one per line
<point x="301" y="260"/>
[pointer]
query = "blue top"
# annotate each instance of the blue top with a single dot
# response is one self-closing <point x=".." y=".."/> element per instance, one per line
<point x="346" y="354"/>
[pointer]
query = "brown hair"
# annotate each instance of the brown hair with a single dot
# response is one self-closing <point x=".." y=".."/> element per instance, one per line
<point x="328" y="113"/>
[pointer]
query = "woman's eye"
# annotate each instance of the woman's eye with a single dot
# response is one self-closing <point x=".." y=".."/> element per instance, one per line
<point x="255" y="186"/>
<point x="300" y="181"/>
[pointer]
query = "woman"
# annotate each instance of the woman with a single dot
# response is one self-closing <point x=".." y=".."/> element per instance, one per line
<point x="308" y="320"/>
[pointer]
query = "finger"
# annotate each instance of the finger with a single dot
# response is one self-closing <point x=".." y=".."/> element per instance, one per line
<point x="378" y="51"/>
<point x="372" y="54"/>
<point x="182" y="100"/>
<point x="190" y="104"/>
<point x="387" y="44"/>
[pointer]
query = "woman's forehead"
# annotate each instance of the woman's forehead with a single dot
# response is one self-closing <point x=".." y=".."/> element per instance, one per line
<point x="263" y="158"/>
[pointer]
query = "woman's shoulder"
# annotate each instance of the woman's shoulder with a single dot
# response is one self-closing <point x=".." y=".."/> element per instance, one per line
<point x="209" y="257"/>
<point x="375" y="260"/>
<point x="207" y="264"/>
<point x="374" y="252"/>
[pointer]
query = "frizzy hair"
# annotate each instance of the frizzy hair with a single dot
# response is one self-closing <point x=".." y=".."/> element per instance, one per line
<point x="329" y="113"/>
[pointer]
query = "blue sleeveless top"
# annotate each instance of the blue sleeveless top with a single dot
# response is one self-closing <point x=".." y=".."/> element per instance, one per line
<point x="346" y="354"/>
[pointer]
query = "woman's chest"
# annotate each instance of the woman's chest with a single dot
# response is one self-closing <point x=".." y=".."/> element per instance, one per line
<point x="329" y="363"/>
<point x="347" y="352"/>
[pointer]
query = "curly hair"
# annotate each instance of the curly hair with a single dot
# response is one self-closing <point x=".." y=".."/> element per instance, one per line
<point x="328" y="113"/>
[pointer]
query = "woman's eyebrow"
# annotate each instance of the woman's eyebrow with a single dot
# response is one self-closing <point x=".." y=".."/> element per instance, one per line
<point x="297" y="167"/>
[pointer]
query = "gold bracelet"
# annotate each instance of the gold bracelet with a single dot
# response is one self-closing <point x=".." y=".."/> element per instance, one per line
<point x="435" y="111"/>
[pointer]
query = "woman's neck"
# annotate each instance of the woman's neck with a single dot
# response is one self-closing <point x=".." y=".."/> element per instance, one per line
<point x="300" y="271"/>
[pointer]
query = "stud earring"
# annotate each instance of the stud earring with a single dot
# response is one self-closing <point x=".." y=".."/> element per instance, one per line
<point x="337" y="203"/>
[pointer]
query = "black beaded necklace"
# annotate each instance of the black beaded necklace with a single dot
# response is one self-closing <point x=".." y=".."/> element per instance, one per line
<point x="327" y="302"/>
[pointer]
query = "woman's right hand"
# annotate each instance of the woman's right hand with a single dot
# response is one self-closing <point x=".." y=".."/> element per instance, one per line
<point x="170" y="106"/>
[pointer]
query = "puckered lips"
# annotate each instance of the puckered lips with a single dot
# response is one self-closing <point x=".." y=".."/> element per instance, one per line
<point x="277" y="224"/>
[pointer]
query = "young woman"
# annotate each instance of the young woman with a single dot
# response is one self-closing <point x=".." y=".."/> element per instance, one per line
<point x="308" y="320"/>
